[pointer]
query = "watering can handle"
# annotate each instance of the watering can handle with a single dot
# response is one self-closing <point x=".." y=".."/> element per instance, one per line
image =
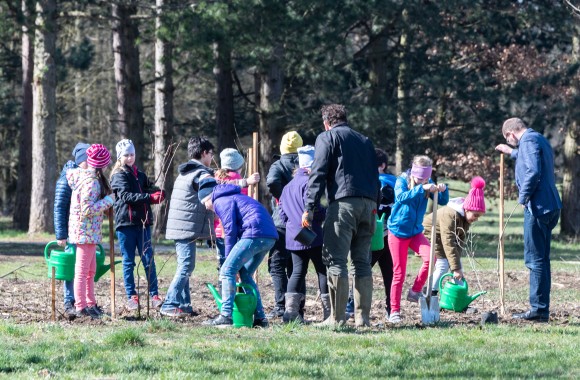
<point x="53" y="243"/>
<point x="244" y="285"/>
<point x="382" y="219"/>
<point x="449" y="274"/>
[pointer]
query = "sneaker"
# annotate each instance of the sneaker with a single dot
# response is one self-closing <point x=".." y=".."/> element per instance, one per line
<point x="87" y="312"/>
<point x="156" y="302"/>
<point x="174" y="312"/>
<point x="69" y="310"/>
<point x="95" y="312"/>
<point x="276" y="313"/>
<point x="413" y="296"/>
<point x="133" y="303"/>
<point x="261" y="322"/>
<point x="395" y="317"/>
<point x="220" y="321"/>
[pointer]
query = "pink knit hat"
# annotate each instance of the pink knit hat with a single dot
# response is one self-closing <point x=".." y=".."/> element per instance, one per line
<point x="98" y="156"/>
<point x="474" y="200"/>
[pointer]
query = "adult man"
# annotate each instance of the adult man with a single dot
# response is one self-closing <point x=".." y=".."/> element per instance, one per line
<point x="187" y="221"/>
<point x="345" y="164"/>
<point x="279" y="259"/>
<point x="541" y="202"/>
<point x="62" y="200"/>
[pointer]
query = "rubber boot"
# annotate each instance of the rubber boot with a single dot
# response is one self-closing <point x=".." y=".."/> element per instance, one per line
<point x="325" y="298"/>
<point x="338" y="291"/>
<point x="363" y="295"/>
<point x="292" y="309"/>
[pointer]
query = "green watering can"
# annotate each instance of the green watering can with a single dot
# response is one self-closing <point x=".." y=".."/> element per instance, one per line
<point x="378" y="241"/>
<point x="64" y="261"/>
<point x="454" y="297"/>
<point x="244" y="304"/>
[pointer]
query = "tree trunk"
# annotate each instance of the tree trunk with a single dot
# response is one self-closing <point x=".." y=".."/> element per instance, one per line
<point x="44" y="119"/>
<point x="225" y="96"/>
<point x="402" y="119"/>
<point x="164" y="146"/>
<point x="128" y="81"/>
<point x="21" y="214"/>
<point x="270" y="119"/>
<point x="570" y="223"/>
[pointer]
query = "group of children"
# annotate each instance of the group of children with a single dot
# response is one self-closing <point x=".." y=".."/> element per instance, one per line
<point x="244" y="231"/>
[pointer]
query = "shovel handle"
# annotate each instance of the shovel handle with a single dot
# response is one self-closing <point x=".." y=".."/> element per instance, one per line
<point x="432" y="250"/>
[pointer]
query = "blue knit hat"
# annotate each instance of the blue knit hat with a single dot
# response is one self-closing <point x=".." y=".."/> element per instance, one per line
<point x="80" y="153"/>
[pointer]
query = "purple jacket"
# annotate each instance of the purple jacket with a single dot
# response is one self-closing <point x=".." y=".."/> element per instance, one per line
<point x="242" y="217"/>
<point x="292" y="207"/>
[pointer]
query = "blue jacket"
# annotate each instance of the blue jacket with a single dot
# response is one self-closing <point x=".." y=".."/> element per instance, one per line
<point x="62" y="194"/>
<point x="535" y="174"/>
<point x="242" y="217"/>
<point x="292" y="207"/>
<point x="406" y="218"/>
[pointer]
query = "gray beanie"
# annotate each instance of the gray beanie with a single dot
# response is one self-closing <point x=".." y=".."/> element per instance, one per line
<point x="231" y="159"/>
<point x="80" y="153"/>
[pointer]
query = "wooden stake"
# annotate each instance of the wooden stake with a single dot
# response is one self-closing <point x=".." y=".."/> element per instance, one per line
<point x="501" y="231"/>
<point x="53" y="281"/>
<point x="250" y="168"/>
<point x="112" y="261"/>
<point x="255" y="160"/>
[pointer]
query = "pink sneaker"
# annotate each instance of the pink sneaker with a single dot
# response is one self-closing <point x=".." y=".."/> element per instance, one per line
<point x="156" y="302"/>
<point x="133" y="303"/>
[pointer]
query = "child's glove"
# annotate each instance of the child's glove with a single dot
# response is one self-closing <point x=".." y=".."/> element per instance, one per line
<point x="157" y="197"/>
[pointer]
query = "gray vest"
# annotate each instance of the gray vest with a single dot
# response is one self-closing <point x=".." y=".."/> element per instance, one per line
<point x="187" y="217"/>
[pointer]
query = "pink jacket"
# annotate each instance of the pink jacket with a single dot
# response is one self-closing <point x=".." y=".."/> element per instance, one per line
<point x="219" y="232"/>
<point x="86" y="208"/>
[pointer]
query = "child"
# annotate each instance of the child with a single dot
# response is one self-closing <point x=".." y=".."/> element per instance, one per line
<point x="232" y="163"/>
<point x="134" y="194"/>
<point x="405" y="228"/>
<point x="89" y="200"/>
<point x="244" y="218"/>
<point x="291" y="210"/>
<point x="453" y="222"/>
<point x="62" y="199"/>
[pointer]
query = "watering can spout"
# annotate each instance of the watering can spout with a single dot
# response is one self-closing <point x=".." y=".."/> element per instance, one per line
<point x="215" y="294"/>
<point x="473" y="297"/>
<point x="102" y="269"/>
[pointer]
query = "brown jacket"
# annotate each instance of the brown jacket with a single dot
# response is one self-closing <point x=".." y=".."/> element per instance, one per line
<point x="451" y="231"/>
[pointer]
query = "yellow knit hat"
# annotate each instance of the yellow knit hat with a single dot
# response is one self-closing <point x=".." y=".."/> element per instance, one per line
<point x="291" y="141"/>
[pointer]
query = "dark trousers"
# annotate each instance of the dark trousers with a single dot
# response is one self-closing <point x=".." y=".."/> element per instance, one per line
<point x="280" y="269"/>
<point x="537" y="239"/>
<point x="300" y="260"/>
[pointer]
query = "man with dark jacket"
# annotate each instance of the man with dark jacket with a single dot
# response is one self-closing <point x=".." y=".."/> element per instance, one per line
<point x="279" y="259"/>
<point x="539" y="197"/>
<point x="187" y="221"/>
<point x="62" y="196"/>
<point x="345" y="165"/>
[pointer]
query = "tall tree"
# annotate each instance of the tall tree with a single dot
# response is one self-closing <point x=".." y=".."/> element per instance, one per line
<point x="44" y="118"/>
<point x="128" y="80"/>
<point x="224" y="94"/>
<point x="21" y="214"/>
<point x="164" y="89"/>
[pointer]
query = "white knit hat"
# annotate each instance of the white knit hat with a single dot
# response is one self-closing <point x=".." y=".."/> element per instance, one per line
<point x="305" y="156"/>
<point x="124" y="147"/>
<point x="231" y="159"/>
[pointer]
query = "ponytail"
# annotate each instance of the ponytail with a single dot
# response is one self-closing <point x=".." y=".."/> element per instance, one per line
<point x="104" y="182"/>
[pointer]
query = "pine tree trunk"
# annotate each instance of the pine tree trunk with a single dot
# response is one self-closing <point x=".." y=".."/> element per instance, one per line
<point x="164" y="146"/>
<point x="570" y="222"/>
<point x="44" y="119"/>
<point x="402" y="121"/>
<point x="21" y="214"/>
<point x="270" y="119"/>
<point x="128" y="80"/>
<point x="225" y="96"/>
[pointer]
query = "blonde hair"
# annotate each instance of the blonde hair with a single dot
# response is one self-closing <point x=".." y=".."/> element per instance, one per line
<point x="119" y="167"/>
<point x="221" y="175"/>
<point x="419" y="160"/>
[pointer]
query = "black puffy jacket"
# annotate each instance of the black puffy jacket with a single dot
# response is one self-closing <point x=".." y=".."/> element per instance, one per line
<point x="62" y="196"/>
<point x="132" y="191"/>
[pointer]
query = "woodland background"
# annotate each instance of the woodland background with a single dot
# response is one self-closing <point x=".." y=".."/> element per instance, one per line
<point x="433" y="77"/>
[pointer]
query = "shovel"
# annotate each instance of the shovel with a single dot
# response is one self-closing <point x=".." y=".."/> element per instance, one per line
<point x="430" y="304"/>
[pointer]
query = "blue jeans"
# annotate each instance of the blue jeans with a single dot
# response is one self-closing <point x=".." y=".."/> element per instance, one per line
<point x="537" y="239"/>
<point x="221" y="251"/>
<point x="139" y="238"/>
<point x="68" y="287"/>
<point x="178" y="295"/>
<point x="245" y="257"/>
